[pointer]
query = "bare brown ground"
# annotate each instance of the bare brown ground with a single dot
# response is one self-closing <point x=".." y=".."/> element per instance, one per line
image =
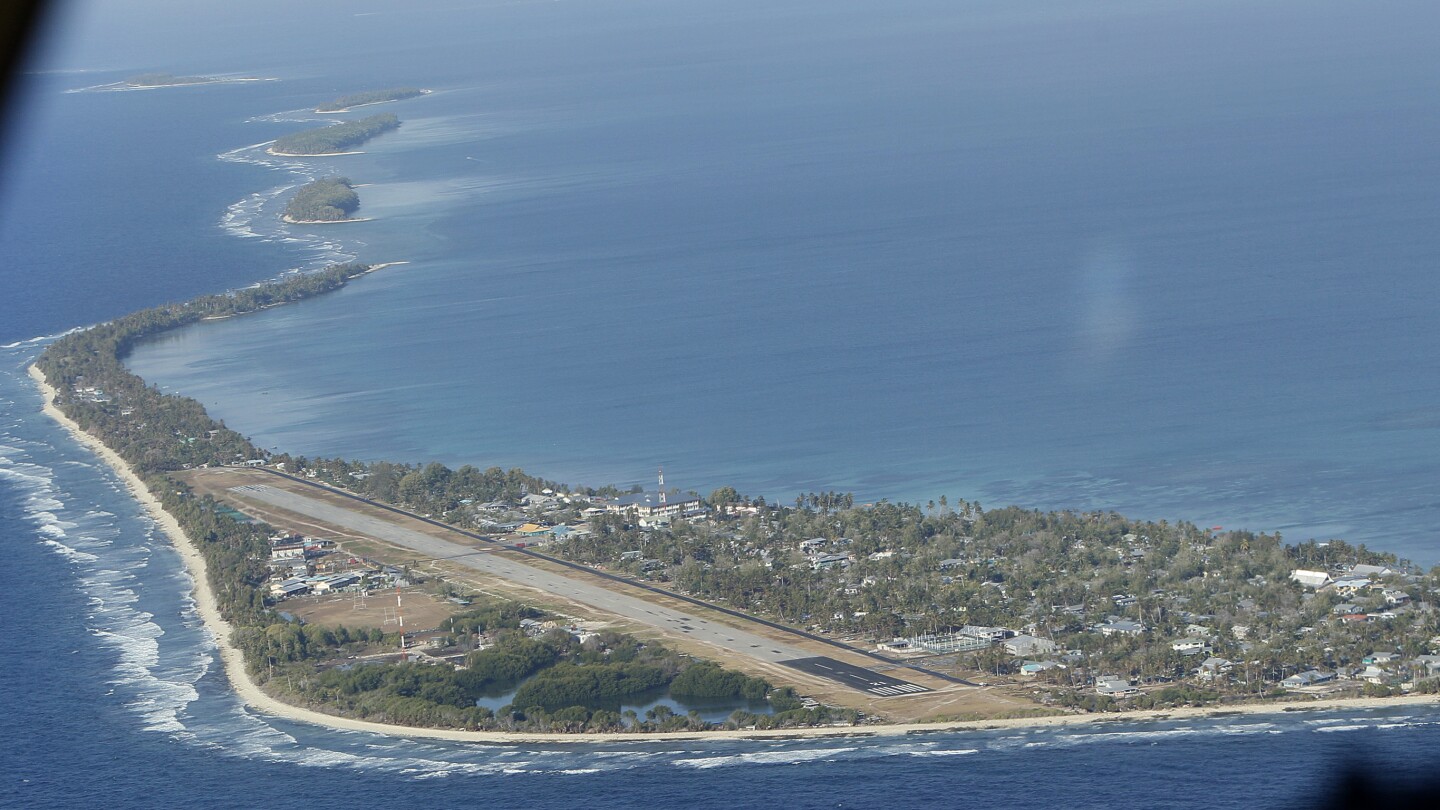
<point x="946" y="700"/>
<point x="422" y="611"/>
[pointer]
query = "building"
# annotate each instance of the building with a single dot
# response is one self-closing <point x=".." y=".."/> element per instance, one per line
<point x="1030" y="669"/>
<point x="1310" y="579"/>
<point x="1124" y="627"/>
<point x="1213" y="668"/>
<point x="1190" y="646"/>
<point x="1307" y="678"/>
<point x="333" y="582"/>
<point x="950" y="642"/>
<point x="1112" y="686"/>
<point x="1026" y="646"/>
<point x="655" y="505"/>
<point x="289" y="588"/>
<point x="1350" y="585"/>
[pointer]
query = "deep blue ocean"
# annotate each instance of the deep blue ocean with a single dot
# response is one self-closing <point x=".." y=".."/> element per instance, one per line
<point x="1176" y="260"/>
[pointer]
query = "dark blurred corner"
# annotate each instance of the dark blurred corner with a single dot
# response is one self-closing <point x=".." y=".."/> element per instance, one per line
<point x="19" y="19"/>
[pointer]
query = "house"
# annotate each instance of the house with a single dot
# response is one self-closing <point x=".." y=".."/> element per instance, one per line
<point x="1123" y="600"/>
<point x="1240" y="631"/>
<point x="1030" y="669"/>
<point x="1213" y="668"/>
<point x="1431" y="663"/>
<point x="1372" y="571"/>
<point x="952" y="563"/>
<point x="1395" y="598"/>
<point x="1310" y="579"/>
<point x="1307" y="678"/>
<point x="1374" y="674"/>
<point x="813" y="545"/>
<point x="1379" y="658"/>
<point x="531" y="529"/>
<point x="627" y="556"/>
<point x="1112" y="686"/>
<point x="830" y="561"/>
<point x="1026" y="646"/>
<point x="1124" y="627"/>
<point x="1350" y="585"/>
<point x="1198" y="631"/>
<point x="1190" y="646"/>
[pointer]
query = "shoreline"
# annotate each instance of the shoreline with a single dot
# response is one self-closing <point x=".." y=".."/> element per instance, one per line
<point x="319" y="111"/>
<point x="286" y="218"/>
<point x="257" y="699"/>
<point x="271" y="151"/>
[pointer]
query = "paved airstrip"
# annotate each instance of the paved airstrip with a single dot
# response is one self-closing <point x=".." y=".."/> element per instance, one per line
<point x="500" y="565"/>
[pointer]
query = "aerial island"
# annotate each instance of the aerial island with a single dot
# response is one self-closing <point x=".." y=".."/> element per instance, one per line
<point x="147" y="81"/>
<point x="330" y="199"/>
<point x="334" y="139"/>
<point x="499" y="603"/>
<point x="492" y="604"/>
<point x="347" y="103"/>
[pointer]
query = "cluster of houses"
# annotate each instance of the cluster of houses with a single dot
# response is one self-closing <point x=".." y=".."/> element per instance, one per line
<point x="302" y="565"/>
<point x="822" y="553"/>
<point x="1369" y="591"/>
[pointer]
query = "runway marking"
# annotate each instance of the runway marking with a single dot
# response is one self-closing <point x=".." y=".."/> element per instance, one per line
<point x="855" y="677"/>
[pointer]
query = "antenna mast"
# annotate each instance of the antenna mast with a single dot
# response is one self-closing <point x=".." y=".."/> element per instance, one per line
<point x="401" y="619"/>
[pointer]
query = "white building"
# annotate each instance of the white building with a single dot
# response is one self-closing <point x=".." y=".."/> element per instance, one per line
<point x="1310" y="579"/>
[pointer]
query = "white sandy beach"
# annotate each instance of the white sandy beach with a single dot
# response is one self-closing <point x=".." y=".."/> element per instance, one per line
<point x="251" y="693"/>
<point x="319" y="111"/>
<point x="291" y="220"/>
<point x="271" y="151"/>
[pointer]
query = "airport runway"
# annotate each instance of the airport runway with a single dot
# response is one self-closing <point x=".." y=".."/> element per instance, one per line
<point x="501" y="566"/>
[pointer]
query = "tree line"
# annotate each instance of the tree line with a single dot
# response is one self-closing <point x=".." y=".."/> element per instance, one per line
<point x="369" y="97"/>
<point x="336" y="137"/>
<point x="329" y="199"/>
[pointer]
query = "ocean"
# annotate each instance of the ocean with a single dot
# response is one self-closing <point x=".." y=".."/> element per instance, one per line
<point x="1173" y="261"/>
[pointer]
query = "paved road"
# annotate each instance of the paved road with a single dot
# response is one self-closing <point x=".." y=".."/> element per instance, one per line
<point x="500" y="565"/>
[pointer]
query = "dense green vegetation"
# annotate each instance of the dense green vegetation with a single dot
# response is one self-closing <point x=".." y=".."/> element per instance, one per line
<point x="907" y="570"/>
<point x="330" y="199"/>
<point x="336" y="137"/>
<point x="370" y="97"/>
<point x="563" y="684"/>
<point x="430" y="489"/>
<point x="158" y="433"/>
<point x="570" y="684"/>
<point x="166" y="80"/>
<point x="711" y="681"/>
<point x="593" y="685"/>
